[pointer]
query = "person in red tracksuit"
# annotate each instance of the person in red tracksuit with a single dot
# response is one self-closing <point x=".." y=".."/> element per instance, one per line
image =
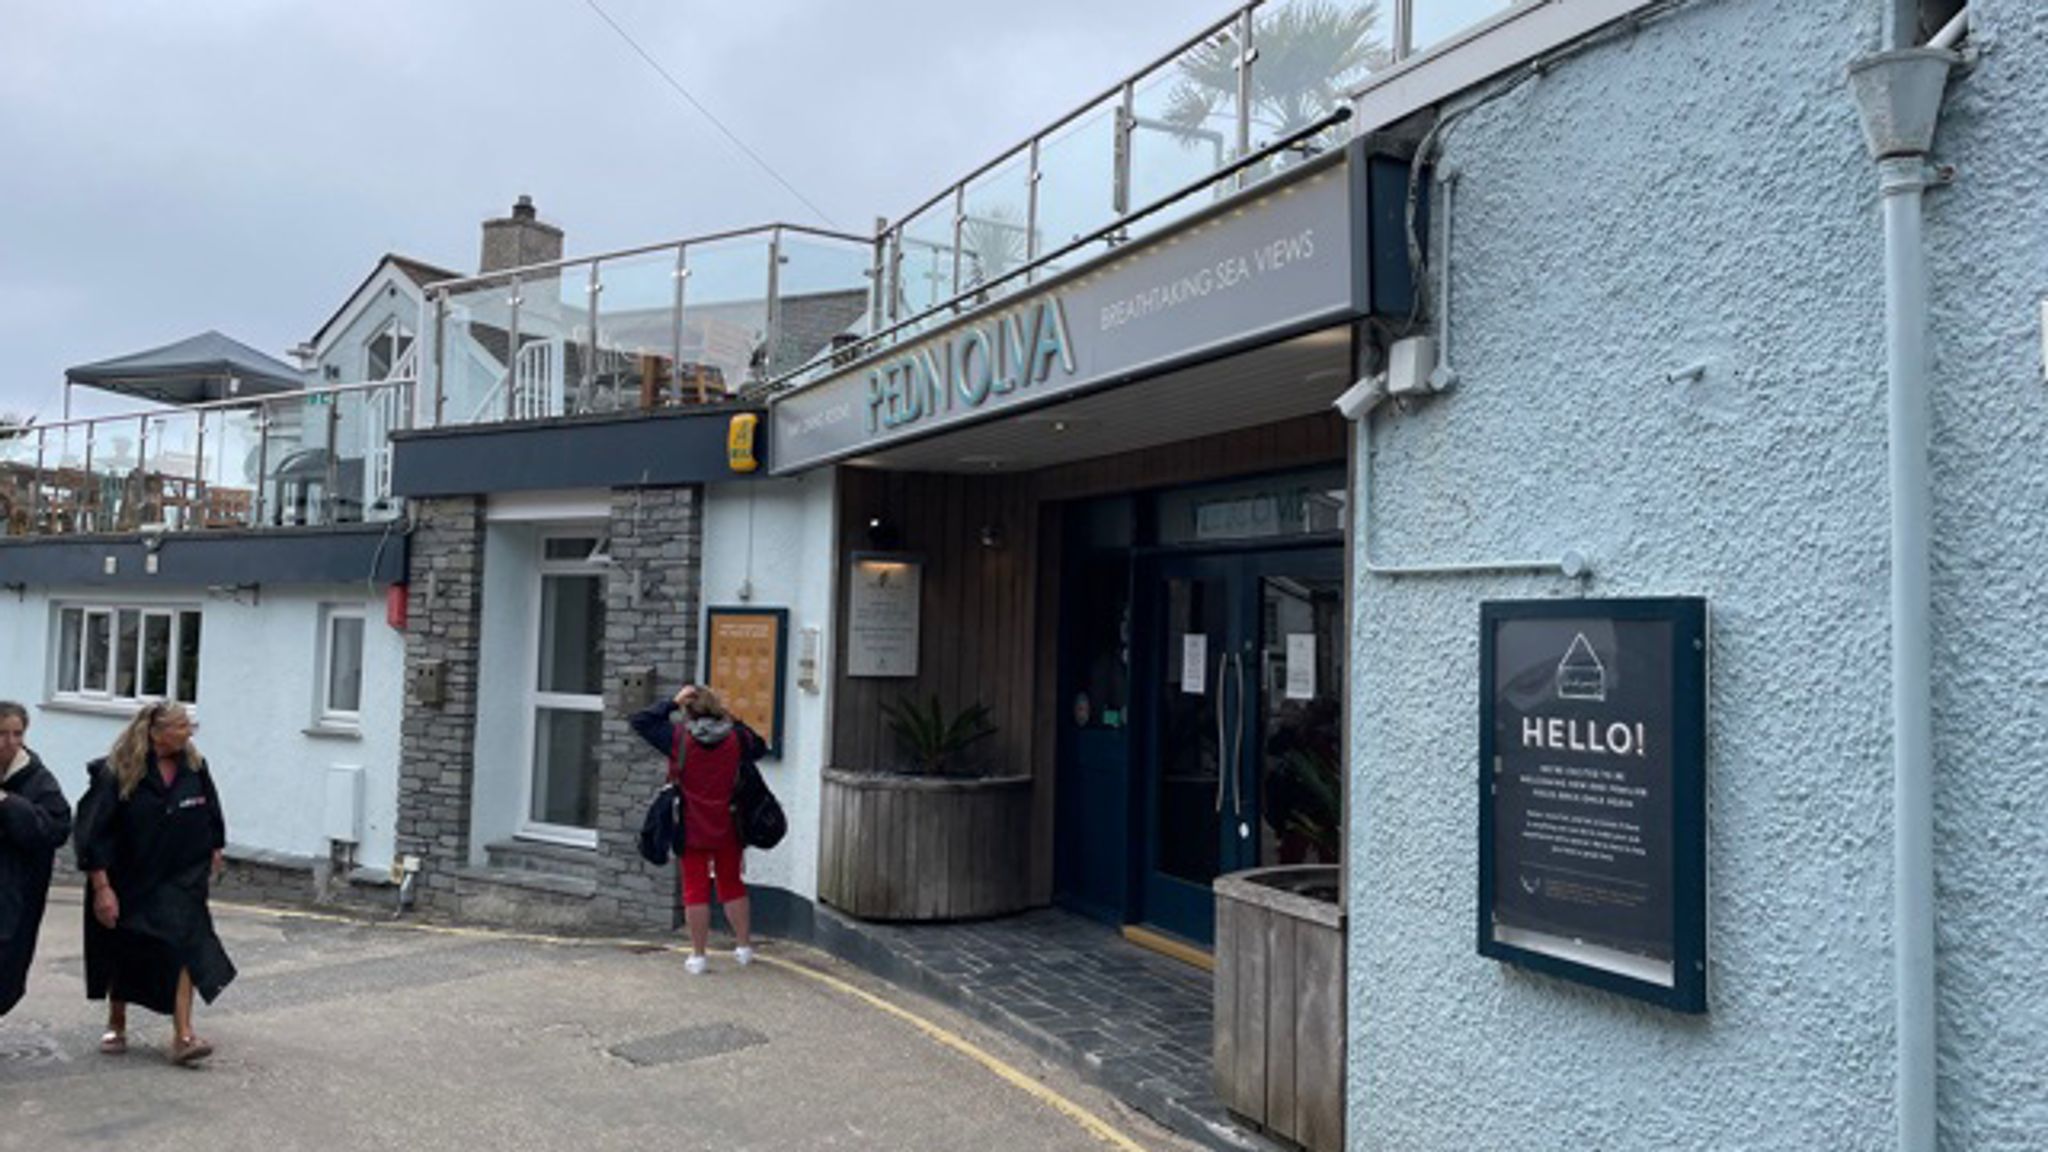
<point x="705" y="751"/>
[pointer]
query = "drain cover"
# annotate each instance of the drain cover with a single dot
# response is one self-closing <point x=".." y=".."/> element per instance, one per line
<point x="687" y="1044"/>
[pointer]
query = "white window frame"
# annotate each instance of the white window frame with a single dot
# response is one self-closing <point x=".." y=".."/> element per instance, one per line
<point x="325" y="715"/>
<point x="596" y="563"/>
<point x="106" y="690"/>
<point x="390" y="333"/>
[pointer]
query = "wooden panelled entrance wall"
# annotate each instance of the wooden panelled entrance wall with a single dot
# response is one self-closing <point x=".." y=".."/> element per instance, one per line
<point x="988" y="610"/>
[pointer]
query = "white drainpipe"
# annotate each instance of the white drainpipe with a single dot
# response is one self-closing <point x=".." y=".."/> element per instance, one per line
<point x="1899" y="94"/>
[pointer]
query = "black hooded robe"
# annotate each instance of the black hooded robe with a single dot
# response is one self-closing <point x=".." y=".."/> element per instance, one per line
<point x="35" y="820"/>
<point x="157" y="849"/>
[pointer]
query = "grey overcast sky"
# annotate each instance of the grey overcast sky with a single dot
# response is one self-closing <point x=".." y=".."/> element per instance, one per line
<point x="168" y="166"/>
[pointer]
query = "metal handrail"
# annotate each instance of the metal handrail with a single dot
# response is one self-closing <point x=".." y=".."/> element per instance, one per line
<point x="1085" y="107"/>
<point x="173" y="411"/>
<point x="505" y="275"/>
<point x="875" y="342"/>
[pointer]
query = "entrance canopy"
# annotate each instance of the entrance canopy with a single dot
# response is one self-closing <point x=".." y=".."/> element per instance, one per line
<point x="1297" y="377"/>
<point x="195" y="370"/>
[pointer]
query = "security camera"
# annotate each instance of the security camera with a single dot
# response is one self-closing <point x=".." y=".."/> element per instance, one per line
<point x="1358" y="401"/>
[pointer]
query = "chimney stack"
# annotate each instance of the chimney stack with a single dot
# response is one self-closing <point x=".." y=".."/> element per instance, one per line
<point x="519" y="239"/>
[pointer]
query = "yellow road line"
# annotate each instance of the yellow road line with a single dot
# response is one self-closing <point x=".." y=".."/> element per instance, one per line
<point x="1095" y="1125"/>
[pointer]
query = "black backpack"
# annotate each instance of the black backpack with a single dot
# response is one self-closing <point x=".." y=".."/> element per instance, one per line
<point x="756" y="811"/>
<point x="661" y="830"/>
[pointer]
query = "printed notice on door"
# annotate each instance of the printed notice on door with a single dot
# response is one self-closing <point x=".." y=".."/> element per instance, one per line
<point x="882" y="616"/>
<point x="1301" y="666"/>
<point x="1194" y="663"/>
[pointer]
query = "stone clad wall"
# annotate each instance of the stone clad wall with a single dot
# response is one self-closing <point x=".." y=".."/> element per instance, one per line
<point x="435" y="774"/>
<point x="652" y="616"/>
<point x="652" y="608"/>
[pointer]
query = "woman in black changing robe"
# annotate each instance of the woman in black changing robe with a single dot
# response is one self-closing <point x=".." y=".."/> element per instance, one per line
<point x="34" y="822"/>
<point x="150" y="835"/>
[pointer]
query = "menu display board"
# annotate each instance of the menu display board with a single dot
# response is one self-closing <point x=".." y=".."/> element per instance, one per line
<point x="746" y="659"/>
<point x="1592" y="805"/>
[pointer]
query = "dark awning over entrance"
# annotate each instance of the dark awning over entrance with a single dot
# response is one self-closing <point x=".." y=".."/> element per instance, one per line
<point x="195" y="370"/>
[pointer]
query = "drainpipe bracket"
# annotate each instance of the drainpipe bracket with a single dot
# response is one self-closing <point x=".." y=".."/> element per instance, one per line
<point x="1940" y="175"/>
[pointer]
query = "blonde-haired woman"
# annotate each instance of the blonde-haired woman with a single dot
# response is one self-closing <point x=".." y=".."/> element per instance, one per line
<point x="150" y="835"/>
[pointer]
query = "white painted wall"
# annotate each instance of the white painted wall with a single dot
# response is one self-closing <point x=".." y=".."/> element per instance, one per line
<point x="784" y="548"/>
<point x="505" y="672"/>
<point x="258" y="678"/>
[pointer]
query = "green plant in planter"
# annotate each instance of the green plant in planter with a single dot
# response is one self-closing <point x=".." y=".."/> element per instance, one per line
<point x="932" y="742"/>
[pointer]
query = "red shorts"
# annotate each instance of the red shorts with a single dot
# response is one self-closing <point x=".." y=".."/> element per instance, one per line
<point x="697" y="865"/>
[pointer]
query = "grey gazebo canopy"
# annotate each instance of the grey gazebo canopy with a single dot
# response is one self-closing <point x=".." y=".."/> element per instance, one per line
<point x="205" y="367"/>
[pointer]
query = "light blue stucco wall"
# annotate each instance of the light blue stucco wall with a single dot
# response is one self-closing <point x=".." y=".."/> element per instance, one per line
<point x="1699" y="192"/>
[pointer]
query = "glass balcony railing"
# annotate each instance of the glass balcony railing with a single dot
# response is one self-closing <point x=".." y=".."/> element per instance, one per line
<point x="297" y="459"/>
<point x="689" y="322"/>
<point x="1253" y="94"/>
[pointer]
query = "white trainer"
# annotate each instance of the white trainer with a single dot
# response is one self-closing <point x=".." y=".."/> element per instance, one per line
<point x="695" y="965"/>
<point x="743" y="956"/>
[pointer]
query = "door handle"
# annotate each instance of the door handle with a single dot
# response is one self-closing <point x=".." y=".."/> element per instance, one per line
<point x="1222" y="748"/>
<point x="1237" y="745"/>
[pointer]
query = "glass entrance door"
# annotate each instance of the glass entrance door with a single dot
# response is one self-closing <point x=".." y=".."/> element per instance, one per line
<point x="1193" y="739"/>
<point x="567" y="703"/>
<point x="1243" y="724"/>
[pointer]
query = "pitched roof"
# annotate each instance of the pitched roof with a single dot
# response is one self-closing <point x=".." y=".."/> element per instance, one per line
<point x="419" y="272"/>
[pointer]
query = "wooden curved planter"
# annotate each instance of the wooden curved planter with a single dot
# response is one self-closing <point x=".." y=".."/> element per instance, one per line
<point x="924" y="848"/>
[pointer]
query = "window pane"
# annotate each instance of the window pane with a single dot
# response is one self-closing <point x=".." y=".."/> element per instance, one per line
<point x="188" y="657"/>
<point x="569" y="548"/>
<point x="156" y="654"/>
<point x="127" y="645"/>
<point x="1439" y="20"/>
<point x="565" y="768"/>
<point x="345" y="665"/>
<point x="379" y="363"/>
<point x="571" y="632"/>
<point x="99" y="627"/>
<point x="70" y="633"/>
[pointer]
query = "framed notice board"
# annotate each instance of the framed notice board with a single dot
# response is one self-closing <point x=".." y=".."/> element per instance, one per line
<point x="746" y="658"/>
<point x="1592" y="793"/>
<point x="883" y="604"/>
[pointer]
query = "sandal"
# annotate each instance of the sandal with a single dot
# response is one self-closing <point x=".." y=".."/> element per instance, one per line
<point x="113" y="1043"/>
<point x="189" y="1050"/>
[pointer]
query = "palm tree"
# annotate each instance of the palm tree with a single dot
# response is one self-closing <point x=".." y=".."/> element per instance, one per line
<point x="1311" y="54"/>
<point x="993" y="243"/>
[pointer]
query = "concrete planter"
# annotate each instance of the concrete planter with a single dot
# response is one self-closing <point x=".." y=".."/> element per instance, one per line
<point x="1279" y="1044"/>
<point x="924" y="848"/>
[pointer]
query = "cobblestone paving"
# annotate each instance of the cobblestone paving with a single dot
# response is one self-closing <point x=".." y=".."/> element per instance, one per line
<point x="1134" y="1020"/>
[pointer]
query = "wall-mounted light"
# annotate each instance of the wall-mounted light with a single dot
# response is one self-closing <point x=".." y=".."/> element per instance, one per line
<point x="991" y="536"/>
<point x="882" y="535"/>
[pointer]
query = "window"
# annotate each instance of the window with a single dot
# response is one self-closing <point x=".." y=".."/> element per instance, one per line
<point x="385" y="350"/>
<point x="341" y="666"/>
<point x="127" y="652"/>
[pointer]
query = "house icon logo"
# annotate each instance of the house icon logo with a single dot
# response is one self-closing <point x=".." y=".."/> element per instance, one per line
<point x="1580" y="675"/>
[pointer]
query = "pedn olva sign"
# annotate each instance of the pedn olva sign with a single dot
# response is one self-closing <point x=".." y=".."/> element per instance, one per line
<point x="962" y="370"/>
<point x="1274" y="263"/>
